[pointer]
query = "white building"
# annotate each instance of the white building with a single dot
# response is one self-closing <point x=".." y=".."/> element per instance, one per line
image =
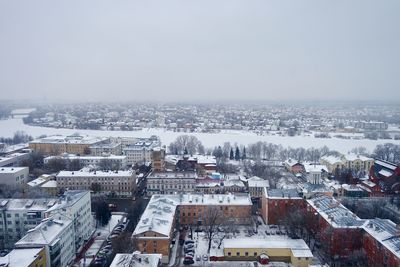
<point x="75" y="206"/>
<point x="57" y="236"/>
<point x="94" y="161"/>
<point x="141" y="151"/>
<point x="106" y="149"/>
<point x="256" y="186"/>
<point x="14" y="176"/>
<point x="171" y="182"/>
<point x="13" y="159"/>
<point x="17" y="216"/>
<point x="121" y="183"/>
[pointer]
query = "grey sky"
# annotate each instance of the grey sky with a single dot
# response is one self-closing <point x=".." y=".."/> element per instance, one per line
<point x="206" y="50"/>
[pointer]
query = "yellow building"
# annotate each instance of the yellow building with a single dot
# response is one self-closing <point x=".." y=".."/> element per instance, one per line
<point x="25" y="257"/>
<point x="294" y="251"/>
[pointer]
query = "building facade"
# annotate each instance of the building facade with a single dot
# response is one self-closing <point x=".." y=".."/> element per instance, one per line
<point x="165" y="183"/>
<point x="120" y="183"/>
<point x="14" y="176"/>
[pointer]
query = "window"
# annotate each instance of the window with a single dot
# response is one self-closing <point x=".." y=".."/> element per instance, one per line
<point x="237" y="253"/>
<point x="246" y="254"/>
<point x="255" y="253"/>
<point x="229" y="254"/>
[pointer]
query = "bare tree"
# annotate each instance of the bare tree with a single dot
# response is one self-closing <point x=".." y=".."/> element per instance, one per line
<point x="213" y="220"/>
<point x="124" y="243"/>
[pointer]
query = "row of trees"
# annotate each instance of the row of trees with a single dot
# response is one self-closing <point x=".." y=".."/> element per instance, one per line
<point x="18" y="138"/>
<point x="186" y="144"/>
<point x="389" y="152"/>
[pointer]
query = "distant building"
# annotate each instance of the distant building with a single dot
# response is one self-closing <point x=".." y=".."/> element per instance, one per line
<point x="141" y="150"/>
<point x="106" y="149"/>
<point x="371" y="125"/>
<point x="14" y="176"/>
<point x="294" y="166"/>
<point x="386" y="175"/>
<point x="121" y="183"/>
<point x="256" y="186"/>
<point x="171" y="182"/>
<point x="73" y="144"/>
<point x="158" y="159"/>
<point x="56" y="236"/>
<point x="95" y="161"/>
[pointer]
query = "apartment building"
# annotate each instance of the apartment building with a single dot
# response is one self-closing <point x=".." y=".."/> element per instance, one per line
<point x="256" y="186"/>
<point x="56" y="236"/>
<point x="94" y="161"/>
<point x="14" y="176"/>
<point x="105" y="149"/>
<point x="141" y="151"/>
<point x="349" y="161"/>
<point x="171" y="182"/>
<point x="73" y="144"/>
<point x="75" y="205"/>
<point x="120" y="183"/>
<point x="136" y="259"/>
<point x="158" y="159"/>
<point x="155" y="229"/>
<point x="14" y="159"/>
<point x="18" y="216"/>
<point x="277" y="203"/>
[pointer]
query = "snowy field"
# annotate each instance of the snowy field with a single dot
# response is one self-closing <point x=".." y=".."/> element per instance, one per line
<point x="10" y="126"/>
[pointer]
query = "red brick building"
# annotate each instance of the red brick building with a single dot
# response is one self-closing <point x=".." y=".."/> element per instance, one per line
<point x="276" y="203"/>
<point x="381" y="242"/>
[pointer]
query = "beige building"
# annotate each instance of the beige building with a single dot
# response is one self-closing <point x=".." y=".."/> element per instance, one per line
<point x="74" y="144"/>
<point x="121" y="183"/>
<point x="349" y="161"/>
<point x="283" y="249"/>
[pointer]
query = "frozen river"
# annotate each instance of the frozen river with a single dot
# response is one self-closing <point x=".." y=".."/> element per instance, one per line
<point x="10" y="126"/>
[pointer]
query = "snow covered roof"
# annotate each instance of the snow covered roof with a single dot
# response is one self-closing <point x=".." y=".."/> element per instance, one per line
<point x="258" y="183"/>
<point x="69" y="198"/>
<point x="136" y="259"/>
<point x="292" y="162"/>
<point x="334" y="213"/>
<point x="315" y="168"/>
<point x="353" y="157"/>
<point x="50" y="184"/>
<point x="237" y="183"/>
<point x="385" y="173"/>
<point x="37" y="182"/>
<point x="282" y="193"/>
<point x="20" y="257"/>
<point x="40" y="204"/>
<point x="386" y="164"/>
<point x="332" y="159"/>
<point x="72" y="139"/>
<point x="385" y="232"/>
<point x="45" y="233"/>
<point x="84" y="173"/>
<point x="368" y="183"/>
<point x="159" y="215"/>
<point x="172" y="175"/>
<point x="298" y="247"/>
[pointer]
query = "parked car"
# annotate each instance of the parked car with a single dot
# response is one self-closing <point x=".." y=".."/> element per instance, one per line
<point x="198" y="257"/>
<point x="188" y="261"/>
<point x="205" y="257"/>
<point x="189" y="242"/>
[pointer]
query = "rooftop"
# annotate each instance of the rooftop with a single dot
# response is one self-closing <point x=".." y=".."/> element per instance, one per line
<point x="20" y="257"/>
<point x="85" y="173"/>
<point x="72" y="139"/>
<point x="12" y="169"/>
<point x="335" y="213"/>
<point x="385" y="232"/>
<point x="172" y="175"/>
<point x="68" y="199"/>
<point x="136" y="259"/>
<point x="40" y="204"/>
<point x="47" y="232"/>
<point x="283" y="193"/>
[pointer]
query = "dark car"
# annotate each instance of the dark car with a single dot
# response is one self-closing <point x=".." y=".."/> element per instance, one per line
<point x="188" y="261"/>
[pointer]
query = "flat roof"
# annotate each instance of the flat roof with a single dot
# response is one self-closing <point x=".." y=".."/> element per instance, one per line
<point x="84" y="174"/>
<point x="20" y="257"/>
<point x="12" y="169"/>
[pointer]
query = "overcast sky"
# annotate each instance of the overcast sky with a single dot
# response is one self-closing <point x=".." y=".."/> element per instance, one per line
<point x="200" y="50"/>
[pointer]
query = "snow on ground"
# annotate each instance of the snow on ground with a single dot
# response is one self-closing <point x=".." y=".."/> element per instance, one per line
<point x="10" y="126"/>
<point x="101" y="234"/>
